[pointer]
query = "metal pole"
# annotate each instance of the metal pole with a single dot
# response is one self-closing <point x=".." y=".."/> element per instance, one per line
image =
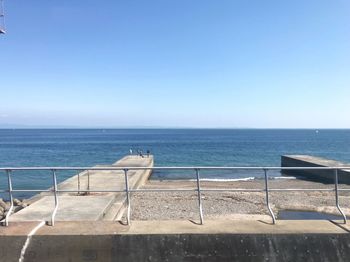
<point x="88" y="185"/>
<point x="199" y="197"/>
<point x="267" y="197"/>
<point x="127" y="197"/>
<point x="54" y="179"/>
<point x="9" y="180"/>
<point x="78" y="183"/>
<point x="337" y="196"/>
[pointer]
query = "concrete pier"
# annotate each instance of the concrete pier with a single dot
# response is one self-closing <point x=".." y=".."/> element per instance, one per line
<point x="315" y="175"/>
<point x="89" y="207"/>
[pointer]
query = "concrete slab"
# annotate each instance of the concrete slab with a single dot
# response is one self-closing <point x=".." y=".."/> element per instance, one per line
<point x="113" y="179"/>
<point x="70" y="208"/>
<point x="134" y="161"/>
<point x="238" y="227"/>
<point x="169" y="227"/>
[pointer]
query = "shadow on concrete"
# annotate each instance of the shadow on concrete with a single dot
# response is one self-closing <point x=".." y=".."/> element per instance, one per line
<point x="194" y="222"/>
<point x="265" y="222"/>
<point x="123" y="223"/>
<point x="339" y="225"/>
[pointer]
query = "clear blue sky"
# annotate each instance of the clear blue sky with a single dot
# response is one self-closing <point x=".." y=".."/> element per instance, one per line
<point x="176" y="63"/>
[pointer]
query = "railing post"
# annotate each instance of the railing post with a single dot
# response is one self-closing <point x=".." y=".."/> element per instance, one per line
<point x="199" y="197"/>
<point x="88" y="183"/>
<point x="267" y="197"/>
<point x="9" y="181"/>
<point x="337" y="195"/>
<point x="78" y="182"/>
<point x="54" y="180"/>
<point x="127" y="196"/>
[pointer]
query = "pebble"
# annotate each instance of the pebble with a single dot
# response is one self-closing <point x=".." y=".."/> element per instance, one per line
<point x="225" y="204"/>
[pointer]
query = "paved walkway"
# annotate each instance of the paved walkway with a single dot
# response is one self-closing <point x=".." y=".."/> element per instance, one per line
<point x="169" y="227"/>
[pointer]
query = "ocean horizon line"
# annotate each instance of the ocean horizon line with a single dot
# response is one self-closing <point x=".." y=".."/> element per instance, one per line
<point x="167" y="128"/>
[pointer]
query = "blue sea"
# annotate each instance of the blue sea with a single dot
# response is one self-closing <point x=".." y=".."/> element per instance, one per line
<point x="170" y="147"/>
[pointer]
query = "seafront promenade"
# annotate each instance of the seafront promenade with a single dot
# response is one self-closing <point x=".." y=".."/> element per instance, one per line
<point x="165" y="224"/>
<point x="159" y="200"/>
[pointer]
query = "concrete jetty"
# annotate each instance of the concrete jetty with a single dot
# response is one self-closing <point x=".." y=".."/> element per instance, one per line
<point x="315" y="175"/>
<point x="89" y="207"/>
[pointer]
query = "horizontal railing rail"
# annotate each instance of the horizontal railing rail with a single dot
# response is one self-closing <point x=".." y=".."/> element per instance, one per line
<point x="106" y="168"/>
<point x="198" y="189"/>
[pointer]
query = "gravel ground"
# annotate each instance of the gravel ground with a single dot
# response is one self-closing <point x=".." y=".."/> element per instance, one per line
<point x="184" y="205"/>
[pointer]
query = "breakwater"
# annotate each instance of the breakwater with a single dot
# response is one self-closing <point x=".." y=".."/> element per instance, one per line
<point x="315" y="175"/>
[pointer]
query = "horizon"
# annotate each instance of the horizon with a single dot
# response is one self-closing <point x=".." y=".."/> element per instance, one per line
<point x="173" y="64"/>
<point x="162" y="127"/>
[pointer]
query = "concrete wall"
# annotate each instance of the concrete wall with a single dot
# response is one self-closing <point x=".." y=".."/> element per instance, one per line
<point x="179" y="247"/>
<point x="326" y="176"/>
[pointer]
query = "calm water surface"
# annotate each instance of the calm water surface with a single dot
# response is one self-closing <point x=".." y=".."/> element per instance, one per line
<point x="171" y="147"/>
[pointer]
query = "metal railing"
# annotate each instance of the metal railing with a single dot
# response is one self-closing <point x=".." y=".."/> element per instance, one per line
<point x="198" y="189"/>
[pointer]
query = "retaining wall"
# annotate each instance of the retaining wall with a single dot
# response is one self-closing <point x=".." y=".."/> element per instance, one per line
<point x="180" y="247"/>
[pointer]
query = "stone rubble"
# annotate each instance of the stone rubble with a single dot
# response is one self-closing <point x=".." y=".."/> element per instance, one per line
<point x="5" y="206"/>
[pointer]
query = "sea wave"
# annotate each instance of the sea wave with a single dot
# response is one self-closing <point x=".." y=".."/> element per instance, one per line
<point x="244" y="179"/>
<point x="225" y="179"/>
<point x="285" y="177"/>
